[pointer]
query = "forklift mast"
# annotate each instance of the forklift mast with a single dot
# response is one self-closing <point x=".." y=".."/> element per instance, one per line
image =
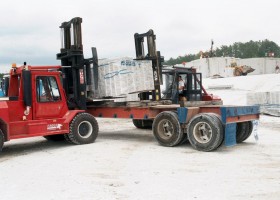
<point x="152" y="55"/>
<point x="75" y="68"/>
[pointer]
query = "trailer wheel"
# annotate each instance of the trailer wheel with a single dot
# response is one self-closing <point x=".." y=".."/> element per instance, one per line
<point x="143" y="124"/>
<point x="83" y="129"/>
<point x="205" y="132"/>
<point x="59" y="137"/>
<point x="184" y="139"/>
<point x="243" y="131"/>
<point x="1" y="140"/>
<point x="167" y="129"/>
<point x="218" y="120"/>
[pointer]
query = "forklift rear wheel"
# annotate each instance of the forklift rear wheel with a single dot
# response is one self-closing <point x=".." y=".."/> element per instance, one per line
<point x="205" y="132"/>
<point x="1" y="140"/>
<point x="243" y="131"/>
<point x="143" y="124"/>
<point x="59" y="137"/>
<point x="83" y="129"/>
<point x="167" y="129"/>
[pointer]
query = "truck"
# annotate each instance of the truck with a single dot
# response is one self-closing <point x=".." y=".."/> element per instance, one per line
<point x="53" y="101"/>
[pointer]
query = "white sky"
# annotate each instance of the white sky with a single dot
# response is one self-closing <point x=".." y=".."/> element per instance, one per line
<point x="29" y="30"/>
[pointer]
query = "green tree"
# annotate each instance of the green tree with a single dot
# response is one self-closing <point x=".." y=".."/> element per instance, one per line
<point x="251" y="49"/>
<point x="266" y="47"/>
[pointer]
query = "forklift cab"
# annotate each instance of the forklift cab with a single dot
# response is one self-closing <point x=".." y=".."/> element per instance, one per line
<point x="192" y="90"/>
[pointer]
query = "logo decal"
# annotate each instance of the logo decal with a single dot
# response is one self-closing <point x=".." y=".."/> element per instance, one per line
<point x="52" y="127"/>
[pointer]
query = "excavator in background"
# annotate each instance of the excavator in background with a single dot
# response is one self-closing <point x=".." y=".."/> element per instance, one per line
<point x="242" y="70"/>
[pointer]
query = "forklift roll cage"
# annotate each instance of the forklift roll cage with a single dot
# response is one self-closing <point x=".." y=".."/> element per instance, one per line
<point x="193" y="84"/>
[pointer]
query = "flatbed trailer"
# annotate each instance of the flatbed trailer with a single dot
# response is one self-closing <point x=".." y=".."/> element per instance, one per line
<point x="206" y="127"/>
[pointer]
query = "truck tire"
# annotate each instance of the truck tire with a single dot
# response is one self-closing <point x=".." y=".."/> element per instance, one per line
<point x="167" y="129"/>
<point x="143" y="124"/>
<point x="205" y="132"/>
<point x="66" y="136"/>
<point x="219" y="121"/>
<point x="59" y="137"/>
<point x="184" y="139"/>
<point x="83" y="129"/>
<point x="243" y="131"/>
<point x="1" y="140"/>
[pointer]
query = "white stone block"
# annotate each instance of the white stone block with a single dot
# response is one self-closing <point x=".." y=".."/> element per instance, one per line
<point x="123" y="76"/>
<point x="269" y="102"/>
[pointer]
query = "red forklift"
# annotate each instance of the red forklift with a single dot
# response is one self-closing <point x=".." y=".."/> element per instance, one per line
<point x="38" y="103"/>
<point x="52" y="101"/>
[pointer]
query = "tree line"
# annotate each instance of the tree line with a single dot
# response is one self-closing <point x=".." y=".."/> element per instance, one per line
<point x="251" y="49"/>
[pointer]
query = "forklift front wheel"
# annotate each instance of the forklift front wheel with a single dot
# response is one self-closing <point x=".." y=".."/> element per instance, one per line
<point x="83" y="129"/>
<point x="167" y="129"/>
<point x="1" y="140"/>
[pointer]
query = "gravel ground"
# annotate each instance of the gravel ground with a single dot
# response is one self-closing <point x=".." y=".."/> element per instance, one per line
<point x="128" y="163"/>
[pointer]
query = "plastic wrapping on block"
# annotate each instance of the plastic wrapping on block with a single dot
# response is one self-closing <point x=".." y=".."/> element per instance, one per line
<point x="123" y="76"/>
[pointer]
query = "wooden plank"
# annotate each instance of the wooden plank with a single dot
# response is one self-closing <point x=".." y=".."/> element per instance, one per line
<point x="199" y="103"/>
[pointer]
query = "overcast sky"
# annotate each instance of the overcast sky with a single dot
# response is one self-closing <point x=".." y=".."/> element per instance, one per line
<point x="29" y="29"/>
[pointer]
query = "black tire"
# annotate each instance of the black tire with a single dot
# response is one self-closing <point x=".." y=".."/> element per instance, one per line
<point x="167" y="129"/>
<point x="243" y="131"/>
<point x="143" y="124"/>
<point x="205" y="132"/>
<point x="66" y="136"/>
<point x="59" y="137"/>
<point x="184" y="139"/>
<point x="218" y="118"/>
<point x="83" y="129"/>
<point x="250" y="130"/>
<point x="1" y="140"/>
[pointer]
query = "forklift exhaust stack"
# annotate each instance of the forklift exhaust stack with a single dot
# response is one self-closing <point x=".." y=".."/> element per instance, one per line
<point x="27" y="91"/>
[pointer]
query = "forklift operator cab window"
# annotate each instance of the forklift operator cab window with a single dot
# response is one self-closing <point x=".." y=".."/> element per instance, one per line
<point x="47" y="89"/>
